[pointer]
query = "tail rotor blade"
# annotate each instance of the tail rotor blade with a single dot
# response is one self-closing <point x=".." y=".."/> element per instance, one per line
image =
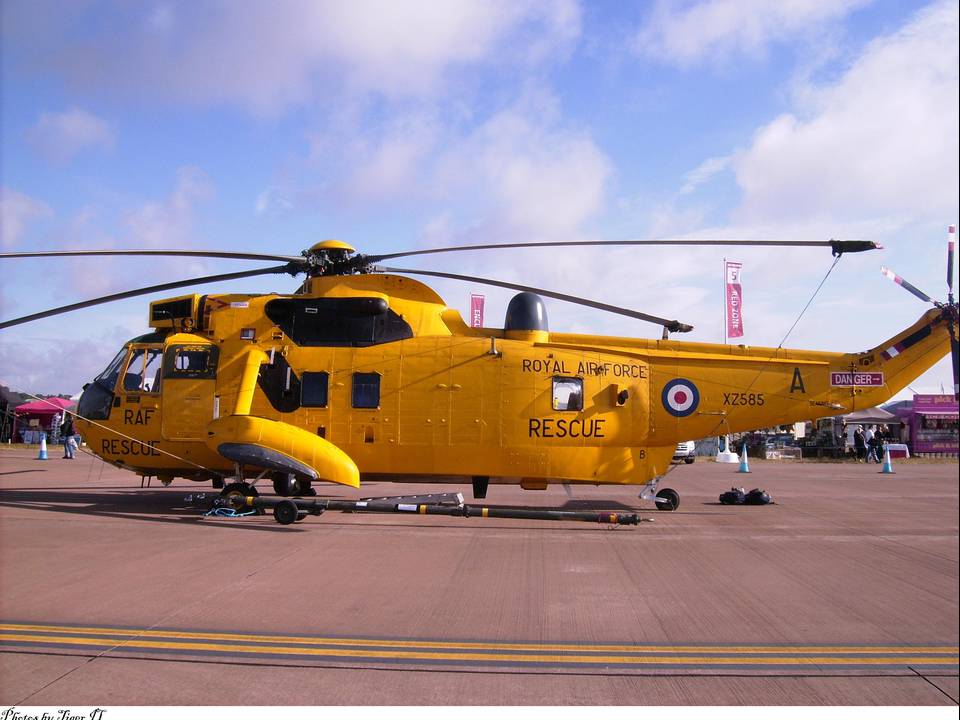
<point x="954" y="352"/>
<point x="905" y="285"/>
<point x="951" y="245"/>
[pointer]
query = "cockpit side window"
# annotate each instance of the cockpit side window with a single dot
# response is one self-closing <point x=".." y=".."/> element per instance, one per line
<point x="190" y="361"/>
<point x="143" y="371"/>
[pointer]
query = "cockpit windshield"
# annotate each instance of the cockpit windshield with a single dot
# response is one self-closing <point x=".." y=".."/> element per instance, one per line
<point x="97" y="397"/>
<point x="108" y="378"/>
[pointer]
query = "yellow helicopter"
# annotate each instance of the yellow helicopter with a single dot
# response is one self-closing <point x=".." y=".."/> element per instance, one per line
<point x="365" y="373"/>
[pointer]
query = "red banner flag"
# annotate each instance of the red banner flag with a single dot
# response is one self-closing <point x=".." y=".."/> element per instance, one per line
<point x="476" y="311"/>
<point x="734" y="299"/>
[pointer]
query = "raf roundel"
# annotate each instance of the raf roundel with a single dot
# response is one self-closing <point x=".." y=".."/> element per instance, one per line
<point x="680" y="397"/>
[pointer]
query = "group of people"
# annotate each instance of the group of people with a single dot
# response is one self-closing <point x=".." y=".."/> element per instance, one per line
<point x="868" y="444"/>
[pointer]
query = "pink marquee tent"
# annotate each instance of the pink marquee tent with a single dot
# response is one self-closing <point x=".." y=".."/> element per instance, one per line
<point x="43" y="410"/>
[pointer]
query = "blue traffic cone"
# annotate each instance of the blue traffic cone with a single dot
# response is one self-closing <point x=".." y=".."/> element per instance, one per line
<point x="887" y="465"/>
<point x="744" y="465"/>
<point x="43" y="447"/>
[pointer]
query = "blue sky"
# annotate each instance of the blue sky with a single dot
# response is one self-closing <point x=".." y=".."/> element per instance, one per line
<point x="397" y="125"/>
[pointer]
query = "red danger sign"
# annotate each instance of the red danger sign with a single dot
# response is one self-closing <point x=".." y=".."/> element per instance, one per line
<point x="856" y="379"/>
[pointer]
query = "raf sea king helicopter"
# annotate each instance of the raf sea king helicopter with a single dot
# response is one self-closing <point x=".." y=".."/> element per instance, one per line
<point x="365" y="373"/>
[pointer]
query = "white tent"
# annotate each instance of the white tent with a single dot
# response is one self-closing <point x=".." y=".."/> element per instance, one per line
<point x="871" y="417"/>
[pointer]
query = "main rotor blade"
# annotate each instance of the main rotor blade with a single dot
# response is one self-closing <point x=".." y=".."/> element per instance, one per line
<point x="671" y="325"/>
<point x="175" y="253"/>
<point x="905" y="285"/>
<point x="146" y="291"/>
<point x="839" y="246"/>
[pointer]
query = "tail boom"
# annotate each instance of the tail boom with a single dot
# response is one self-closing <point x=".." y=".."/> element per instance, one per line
<point x="903" y="358"/>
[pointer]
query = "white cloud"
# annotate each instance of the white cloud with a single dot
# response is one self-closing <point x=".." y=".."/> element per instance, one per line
<point x="64" y="357"/>
<point x="166" y="223"/>
<point x="703" y="172"/>
<point x="402" y="48"/>
<point x="526" y="174"/>
<point x="268" y="56"/>
<point x="60" y="136"/>
<point x="881" y="140"/>
<point x="391" y="162"/>
<point x="520" y="171"/>
<point x="272" y="201"/>
<point x="16" y="212"/>
<point x="682" y="33"/>
<point x="160" y="224"/>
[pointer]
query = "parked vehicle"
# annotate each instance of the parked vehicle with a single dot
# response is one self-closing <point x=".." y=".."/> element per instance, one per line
<point x="685" y="451"/>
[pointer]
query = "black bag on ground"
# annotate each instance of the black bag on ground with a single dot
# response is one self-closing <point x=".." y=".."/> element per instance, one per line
<point x="757" y="497"/>
<point x="733" y="496"/>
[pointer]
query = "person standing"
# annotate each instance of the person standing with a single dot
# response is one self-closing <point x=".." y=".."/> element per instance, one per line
<point x="868" y="438"/>
<point x="66" y="435"/>
<point x="878" y="440"/>
<point x="859" y="443"/>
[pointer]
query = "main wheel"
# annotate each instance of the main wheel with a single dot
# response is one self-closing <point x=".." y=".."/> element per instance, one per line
<point x="238" y="492"/>
<point x="284" y="484"/>
<point x="289" y="485"/>
<point x="672" y="498"/>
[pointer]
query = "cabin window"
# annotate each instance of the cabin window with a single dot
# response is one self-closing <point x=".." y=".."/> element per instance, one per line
<point x="366" y="390"/>
<point x="337" y="322"/>
<point x="190" y="361"/>
<point x="313" y="389"/>
<point x="143" y="370"/>
<point x="567" y="393"/>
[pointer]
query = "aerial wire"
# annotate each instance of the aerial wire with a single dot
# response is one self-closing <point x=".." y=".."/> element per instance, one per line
<point x="763" y="367"/>
<point x="810" y="301"/>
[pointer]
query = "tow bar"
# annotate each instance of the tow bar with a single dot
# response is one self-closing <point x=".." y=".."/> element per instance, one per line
<point x="290" y="510"/>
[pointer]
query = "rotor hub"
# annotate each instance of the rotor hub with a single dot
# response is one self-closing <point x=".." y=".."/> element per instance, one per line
<point x="333" y="257"/>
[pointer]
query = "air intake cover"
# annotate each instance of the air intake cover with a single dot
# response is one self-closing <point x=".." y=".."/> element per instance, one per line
<point x="526" y="311"/>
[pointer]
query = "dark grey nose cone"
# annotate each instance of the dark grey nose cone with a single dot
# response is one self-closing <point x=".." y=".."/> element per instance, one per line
<point x="526" y="311"/>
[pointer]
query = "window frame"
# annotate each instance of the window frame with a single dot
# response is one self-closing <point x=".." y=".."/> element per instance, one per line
<point x="170" y="354"/>
<point x="143" y="351"/>
<point x="553" y="392"/>
<point x="353" y="390"/>
<point x="308" y="377"/>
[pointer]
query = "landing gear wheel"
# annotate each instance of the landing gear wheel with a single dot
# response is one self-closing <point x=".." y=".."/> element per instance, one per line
<point x="672" y="498"/>
<point x="239" y="490"/>
<point x="286" y="512"/>
<point x="284" y="484"/>
<point x="688" y="461"/>
<point x="288" y="485"/>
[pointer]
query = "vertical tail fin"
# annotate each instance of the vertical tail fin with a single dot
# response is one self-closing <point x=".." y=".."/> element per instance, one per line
<point x="905" y="356"/>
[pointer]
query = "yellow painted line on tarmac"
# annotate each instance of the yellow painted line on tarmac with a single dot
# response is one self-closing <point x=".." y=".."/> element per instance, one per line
<point x="574" y="659"/>
<point x="458" y="645"/>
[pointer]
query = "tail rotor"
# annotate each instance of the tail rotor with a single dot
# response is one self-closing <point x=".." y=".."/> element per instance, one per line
<point x="952" y="319"/>
<point x="949" y="308"/>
